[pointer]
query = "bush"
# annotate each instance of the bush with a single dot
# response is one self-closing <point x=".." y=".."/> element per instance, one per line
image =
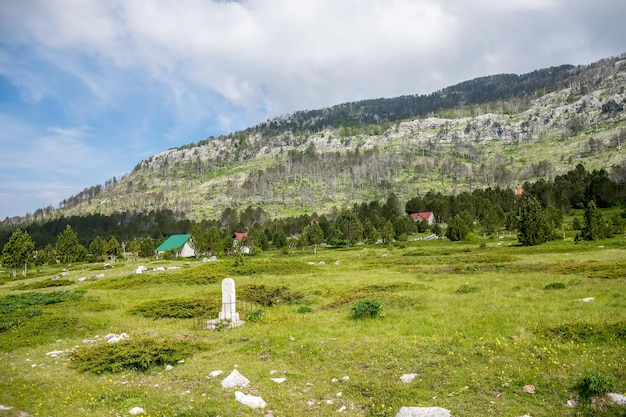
<point x="255" y="316"/>
<point x="366" y="309"/>
<point x="139" y="355"/>
<point x="305" y="309"/>
<point x="554" y="286"/>
<point x="466" y="289"/>
<point x="594" y="385"/>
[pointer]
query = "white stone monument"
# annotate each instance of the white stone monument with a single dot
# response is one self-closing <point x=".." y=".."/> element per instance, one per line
<point x="228" y="317"/>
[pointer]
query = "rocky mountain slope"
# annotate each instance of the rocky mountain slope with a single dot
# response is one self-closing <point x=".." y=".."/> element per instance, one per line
<point x="493" y="131"/>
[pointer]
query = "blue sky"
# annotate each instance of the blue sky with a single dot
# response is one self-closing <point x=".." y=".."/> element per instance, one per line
<point x="90" y="88"/>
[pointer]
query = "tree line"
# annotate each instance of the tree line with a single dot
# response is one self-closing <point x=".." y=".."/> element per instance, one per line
<point x="536" y="215"/>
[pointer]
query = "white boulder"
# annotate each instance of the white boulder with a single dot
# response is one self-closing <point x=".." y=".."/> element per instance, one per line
<point x="249" y="400"/>
<point x="136" y="411"/>
<point x="407" y="378"/>
<point x="423" y="412"/>
<point x="140" y="269"/>
<point x="235" y="379"/>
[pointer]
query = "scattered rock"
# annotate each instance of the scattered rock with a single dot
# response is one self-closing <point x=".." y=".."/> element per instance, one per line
<point x="64" y="274"/>
<point x="235" y="379"/>
<point x="341" y="409"/>
<point x="215" y="373"/>
<point x="586" y="300"/>
<point x="169" y="367"/>
<point x="55" y="353"/>
<point x="617" y="399"/>
<point x="211" y="259"/>
<point x="249" y="400"/>
<point x="55" y="278"/>
<point x="407" y="378"/>
<point x="293" y="339"/>
<point x="140" y="269"/>
<point x="136" y="411"/>
<point x="528" y="389"/>
<point x="4" y="407"/>
<point x="82" y="279"/>
<point x="423" y="412"/>
<point x="345" y="378"/>
<point x="114" y="338"/>
<point x="279" y="380"/>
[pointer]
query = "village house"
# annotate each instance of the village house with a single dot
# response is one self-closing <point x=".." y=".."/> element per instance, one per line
<point x="179" y="245"/>
<point x="424" y="215"/>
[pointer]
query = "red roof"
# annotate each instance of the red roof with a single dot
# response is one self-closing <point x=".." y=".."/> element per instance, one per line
<point x="240" y="236"/>
<point x="423" y="215"/>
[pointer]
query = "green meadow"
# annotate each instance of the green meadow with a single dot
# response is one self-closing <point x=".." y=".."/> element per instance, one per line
<point x="478" y="323"/>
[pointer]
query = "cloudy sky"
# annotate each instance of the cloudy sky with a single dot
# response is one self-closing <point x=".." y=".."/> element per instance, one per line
<point x="89" y="88"/>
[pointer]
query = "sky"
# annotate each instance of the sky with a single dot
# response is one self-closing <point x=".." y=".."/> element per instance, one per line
<point x="89" y="88"/>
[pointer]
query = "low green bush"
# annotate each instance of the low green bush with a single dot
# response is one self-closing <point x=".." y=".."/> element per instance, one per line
<point x="366" y="309"/>
<point x="466" y="289"/>
<point x="255" y="316"/>
<point x="554" y="286"/>
<point x="269" y="296"/>
<point x="594" y="385"/>
<point x="175" y="308"/>
<point x="305" y="309"/>
<point x="128" y="355"/>
<point x="47" y="283"/>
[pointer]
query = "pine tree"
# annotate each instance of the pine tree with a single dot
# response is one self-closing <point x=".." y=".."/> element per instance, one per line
<point x="595" y="225"/>
<point x="534" y="227"/>
<point x="68" y="248"/>
<point x="18" y="251"/>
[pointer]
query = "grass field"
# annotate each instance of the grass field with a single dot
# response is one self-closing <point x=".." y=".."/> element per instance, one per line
<point x="477" y="322"/>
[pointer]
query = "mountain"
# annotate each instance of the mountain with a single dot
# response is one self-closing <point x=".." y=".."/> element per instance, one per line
<point x="499" y="130"/>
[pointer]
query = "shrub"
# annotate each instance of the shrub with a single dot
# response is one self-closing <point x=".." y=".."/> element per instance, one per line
<point x="269" y="296"/>
<point x="304" y="309"/>
<point x="139" y="355"/>
<point x="174" y="308"/>
<point x="466" y="289"/>
<point x="255" y="316"/>
<point x="366" y="309"/>
<point x="554" y="286"/>
<point x="593" y="385"/>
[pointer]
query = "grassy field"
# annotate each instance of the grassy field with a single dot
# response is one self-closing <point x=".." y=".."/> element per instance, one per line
<point x="477" y="322"/>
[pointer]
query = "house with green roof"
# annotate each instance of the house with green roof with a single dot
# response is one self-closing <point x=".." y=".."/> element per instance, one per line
<point x="179" y="245"/>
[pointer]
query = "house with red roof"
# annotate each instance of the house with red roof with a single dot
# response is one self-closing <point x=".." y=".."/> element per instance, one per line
<point x="424" y="215"/>
<point x="238" y="238"/>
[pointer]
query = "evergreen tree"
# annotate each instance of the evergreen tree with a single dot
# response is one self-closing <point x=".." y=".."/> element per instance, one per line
<point x="68" y="249"/>
<point x="534" y="227"/>
<point x="18" y="251"/>
<point x="113" y="249"/>
<point x="388" y="232"/>
<point x="214" y="241"/>
<point x="459" y="226"/>
<point x="200" y="239"/>
<point x="350" y="226"/>
<point x="313" y="234"/>
<point x="97" y="249"/>
<point x="370" y="233"/>
<point x="595" y="225"/>
<point x="146" y="247"/>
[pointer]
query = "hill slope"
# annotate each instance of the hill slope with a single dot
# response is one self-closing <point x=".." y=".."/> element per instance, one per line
<point x="492" y="131"/>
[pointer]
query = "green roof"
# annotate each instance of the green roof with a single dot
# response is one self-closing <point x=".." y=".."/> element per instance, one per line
<point x="173" y="242"/>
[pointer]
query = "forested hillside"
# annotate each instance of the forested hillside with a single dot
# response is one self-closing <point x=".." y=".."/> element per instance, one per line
<point x="495" y="131"/>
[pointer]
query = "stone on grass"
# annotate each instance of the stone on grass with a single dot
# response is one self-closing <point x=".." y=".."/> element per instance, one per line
<point x="114" y="338"/>
<point x="215" y="373"/>
<point x="136" y="411"/>
<point x="617" y="399"/>
<point x="423" y="412"/>
<point x="279" y="380"/>
<point x="407" y="378"/>
<point x="249" y="400"/>
<point x="586" y="299"/>
<point x="528" y="389"/>
<point x="235" y="379"/>
<point x="140" y="269"/>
